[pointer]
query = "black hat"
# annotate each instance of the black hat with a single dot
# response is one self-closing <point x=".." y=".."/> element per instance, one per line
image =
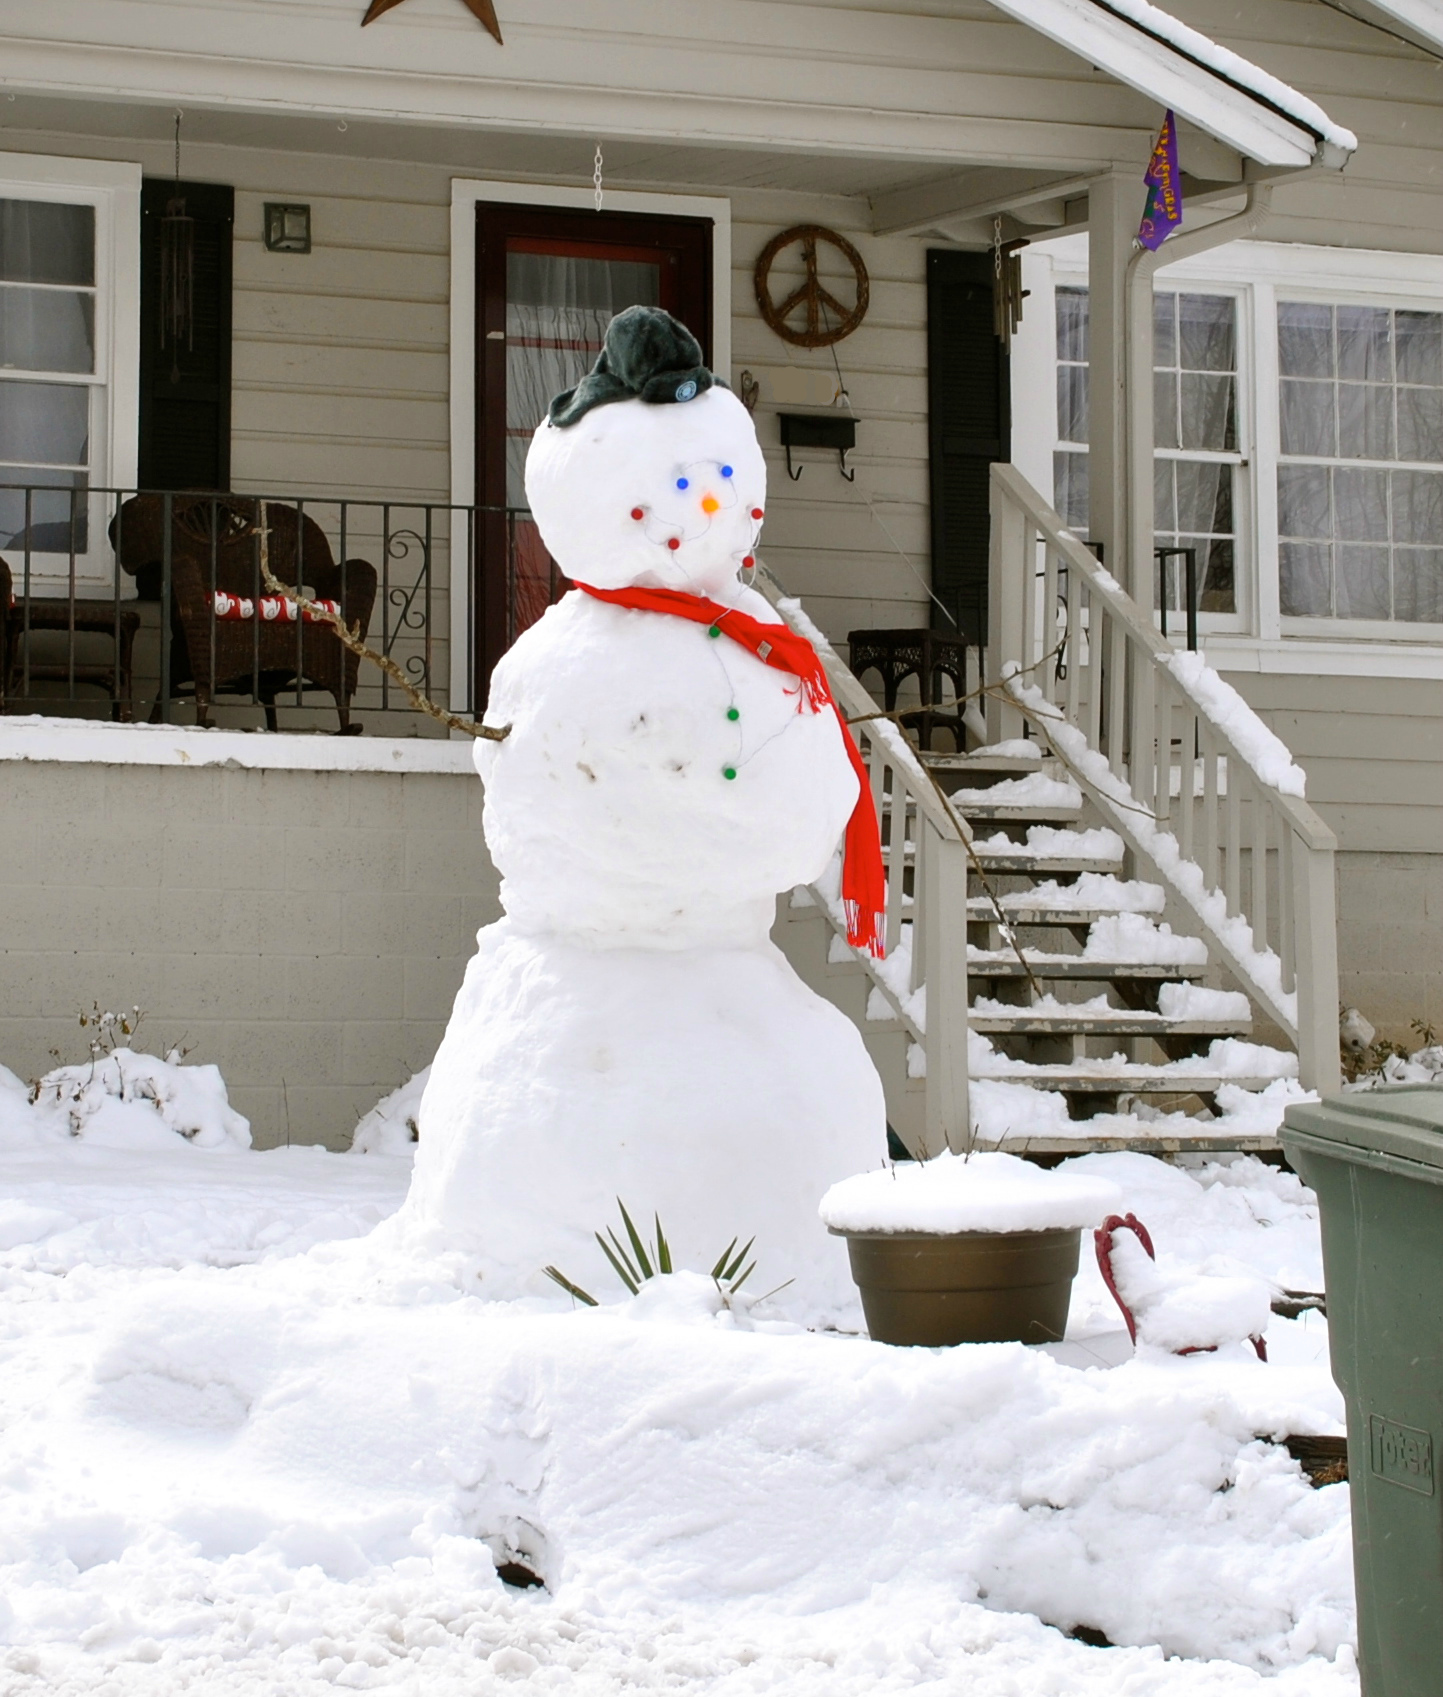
<point x="647" y="355"/>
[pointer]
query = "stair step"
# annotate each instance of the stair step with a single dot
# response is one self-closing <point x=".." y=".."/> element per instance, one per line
<point x="982" y="762"/>
<point x="987" y="963"/>
<point x="980" y="908"/>
<point x="1120" y="1022"/>
<point x="1136" y="1081"/>
<point x="1020" y="859"/>
<point x="1017" y="813"/>
<point x="1141" y="1142"/>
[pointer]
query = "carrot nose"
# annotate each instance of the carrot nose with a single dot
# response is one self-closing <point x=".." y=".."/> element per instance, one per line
<point x="710" y="504"/>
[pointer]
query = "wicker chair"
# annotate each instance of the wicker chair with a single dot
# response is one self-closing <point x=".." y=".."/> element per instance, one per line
<point x="215" y="546"/>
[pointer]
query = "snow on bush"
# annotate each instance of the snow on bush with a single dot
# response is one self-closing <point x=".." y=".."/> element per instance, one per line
<point x="392" y="1127"/>
<point x="124" y="1099"/>
<point x="972" y="1193"/>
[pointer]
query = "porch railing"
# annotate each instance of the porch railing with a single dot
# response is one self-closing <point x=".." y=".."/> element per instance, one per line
<point x="922" y="980"/>
<point x="85" y="572"/>
<point x="1175" y="760"/>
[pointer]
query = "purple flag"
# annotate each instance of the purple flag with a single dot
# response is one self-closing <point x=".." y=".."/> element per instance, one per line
<point x="1163" y="212"/>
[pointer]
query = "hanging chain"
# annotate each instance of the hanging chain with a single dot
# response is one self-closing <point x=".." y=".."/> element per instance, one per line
<point x="596" y="176"/>
<point x="997" y="246"/>
<point x="178" y="116"/>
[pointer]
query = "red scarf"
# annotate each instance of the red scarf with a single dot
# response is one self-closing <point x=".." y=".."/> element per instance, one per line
<point x="864" y="883"/>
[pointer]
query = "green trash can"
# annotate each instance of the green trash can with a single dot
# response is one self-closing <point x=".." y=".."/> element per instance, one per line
<point x="1375" y="1159"/>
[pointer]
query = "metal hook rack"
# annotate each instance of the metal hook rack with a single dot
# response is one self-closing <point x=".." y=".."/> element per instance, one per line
<point x="835" y="432"/>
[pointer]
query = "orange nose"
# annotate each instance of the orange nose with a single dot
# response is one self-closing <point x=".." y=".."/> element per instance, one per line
<point x="710" y="504"/>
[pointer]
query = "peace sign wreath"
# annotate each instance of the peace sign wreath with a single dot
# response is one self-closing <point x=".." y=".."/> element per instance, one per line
<point x="827" y="319"/>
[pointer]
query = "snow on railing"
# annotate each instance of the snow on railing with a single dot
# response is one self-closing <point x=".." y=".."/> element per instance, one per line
<point x="1175" y="760"/>
<point x="924" y="988"/>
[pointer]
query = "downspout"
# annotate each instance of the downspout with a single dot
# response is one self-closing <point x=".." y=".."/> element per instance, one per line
<point x="1137" y="369"/>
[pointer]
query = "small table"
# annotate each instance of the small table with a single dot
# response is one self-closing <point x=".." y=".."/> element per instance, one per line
<point x="927" y="655"/>
<point x="94" y="618"/>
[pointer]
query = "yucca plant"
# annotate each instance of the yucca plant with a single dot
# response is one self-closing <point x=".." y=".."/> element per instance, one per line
<point x="647" y="1260"/>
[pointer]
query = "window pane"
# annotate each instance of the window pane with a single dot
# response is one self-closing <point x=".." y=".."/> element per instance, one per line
<point x="1072" y="403"/>
<point x="1305" y="574"/>
<point x="1164" y="409"/>
<point x="1365" y="348"/>
<point x="1360" y="505"/>
<point x="1420" y="424"/>
<point x="46" y="242"/>
<point x="44" y="423"/>
<point x="1362" y="582"/>
<point x="1207" y="413"/>
<point x="1069" y="490"/>
<point x="46" y="330"/>
<point x="1420" y="346"/>
<point x="1365" y="421"/>
<point x="1303" y="508"/>
<point x="1305" y="339"/>
<point x="1072" y="324"/>
<point x="1204" y="497"/>
<point x="1306" y="421"/>
<point x="1164" y="500"/>
<point x="1218" y="580"/>
<point x="1164" y="329"/>
<point x="1418" y="585"/>
<point x="1205" y="333"/>
<point x="1418" y="507"/>
<point x="51" y="510"/>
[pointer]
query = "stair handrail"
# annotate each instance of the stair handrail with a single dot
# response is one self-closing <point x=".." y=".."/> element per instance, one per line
<point x="925" y="988"/>
<point x="1074" y="654"/>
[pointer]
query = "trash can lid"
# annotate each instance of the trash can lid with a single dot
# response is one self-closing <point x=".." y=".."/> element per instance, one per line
<point x="1404" y="1121"/>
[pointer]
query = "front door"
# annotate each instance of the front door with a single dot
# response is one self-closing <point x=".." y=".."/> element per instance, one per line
<point x="548" y="283"/>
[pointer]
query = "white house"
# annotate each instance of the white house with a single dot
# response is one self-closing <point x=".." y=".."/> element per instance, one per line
<point x="398" y="239"/>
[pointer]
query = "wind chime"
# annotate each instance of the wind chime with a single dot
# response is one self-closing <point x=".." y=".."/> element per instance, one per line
<point x="177" y="271"/>
<point x="1007" y="291"/>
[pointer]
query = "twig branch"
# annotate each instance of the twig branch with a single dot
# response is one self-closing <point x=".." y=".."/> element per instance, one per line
<point x="350" y="637"/>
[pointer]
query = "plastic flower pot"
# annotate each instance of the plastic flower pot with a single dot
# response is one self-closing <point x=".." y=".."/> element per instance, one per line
<point x="935" y="1288"/>
<point x="977" y="1248"/>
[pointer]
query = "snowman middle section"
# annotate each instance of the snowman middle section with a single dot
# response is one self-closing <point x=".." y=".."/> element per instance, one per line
<point x="629" y="1029"/>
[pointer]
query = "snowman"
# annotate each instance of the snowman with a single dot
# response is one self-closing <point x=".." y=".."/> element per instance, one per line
<point x="673" y="763"/>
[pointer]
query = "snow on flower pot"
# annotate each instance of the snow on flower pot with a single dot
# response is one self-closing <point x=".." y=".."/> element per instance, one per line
<point x="965" y="1249"/>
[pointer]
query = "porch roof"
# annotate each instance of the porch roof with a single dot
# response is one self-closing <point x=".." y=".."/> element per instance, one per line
<point x="1224" y="94"/>
<point x="835" y="97"/>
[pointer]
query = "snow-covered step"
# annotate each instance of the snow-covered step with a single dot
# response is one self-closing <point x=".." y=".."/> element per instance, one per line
<point x="1137" y="1080"/>
<point x="1142" y="1140"/>
<point x="1116" y="1022"/>
<point x="1184" y="1010"/>
<point x="1015" y="758"/>
<point x="1017" y="857"/>
<point x="1036" y="798"/>
<point x="1092" y="896"/>
<point x="1047" y="850"/>
<point x="1003" y="963"/>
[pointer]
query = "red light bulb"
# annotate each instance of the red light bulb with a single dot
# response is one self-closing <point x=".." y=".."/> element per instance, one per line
<point x="756" y="512"/>
<point x="748" y="561"/>
<point x="673" y="542"/>
<point x="637" y="513"/>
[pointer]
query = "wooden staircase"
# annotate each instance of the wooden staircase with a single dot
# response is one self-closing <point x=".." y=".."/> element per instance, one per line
<point x="1097" y="909"/>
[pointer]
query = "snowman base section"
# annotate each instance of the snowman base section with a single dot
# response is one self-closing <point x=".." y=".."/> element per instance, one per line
<point x="710" y="1087"/>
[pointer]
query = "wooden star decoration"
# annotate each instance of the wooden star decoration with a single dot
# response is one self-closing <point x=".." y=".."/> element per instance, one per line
<point x="482" y="9"/>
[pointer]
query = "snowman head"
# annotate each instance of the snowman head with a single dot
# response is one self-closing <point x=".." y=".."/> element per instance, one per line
<point x="653" y="476"/>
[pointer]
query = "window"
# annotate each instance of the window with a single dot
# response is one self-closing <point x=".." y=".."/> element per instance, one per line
<point x="47" y="355"/>
<point x="69" y="319"/>
<point x="1195" y="425"/>
<point x="1360" y="462"/>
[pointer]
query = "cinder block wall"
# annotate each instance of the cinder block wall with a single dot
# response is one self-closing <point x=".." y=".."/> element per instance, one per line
<point x="304" y="930"/>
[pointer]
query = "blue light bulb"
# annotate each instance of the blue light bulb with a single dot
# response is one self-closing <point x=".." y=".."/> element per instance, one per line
<point x="681" y="483"/>
<point x="726" y="471"/>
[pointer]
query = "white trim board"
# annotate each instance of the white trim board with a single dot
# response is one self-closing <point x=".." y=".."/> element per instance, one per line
<point x="466" y="194"/>
<point x="91" y="742"/>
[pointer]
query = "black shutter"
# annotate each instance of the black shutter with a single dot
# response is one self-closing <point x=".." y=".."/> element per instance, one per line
<point x="185" y="392"/>
<point x="969" y="426"/>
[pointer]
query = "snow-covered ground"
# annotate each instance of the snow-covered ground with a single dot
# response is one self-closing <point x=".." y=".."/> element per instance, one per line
<point x="245" y="1448"/>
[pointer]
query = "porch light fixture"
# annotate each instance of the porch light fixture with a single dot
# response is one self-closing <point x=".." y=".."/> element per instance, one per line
<point x="288" y="228"/>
